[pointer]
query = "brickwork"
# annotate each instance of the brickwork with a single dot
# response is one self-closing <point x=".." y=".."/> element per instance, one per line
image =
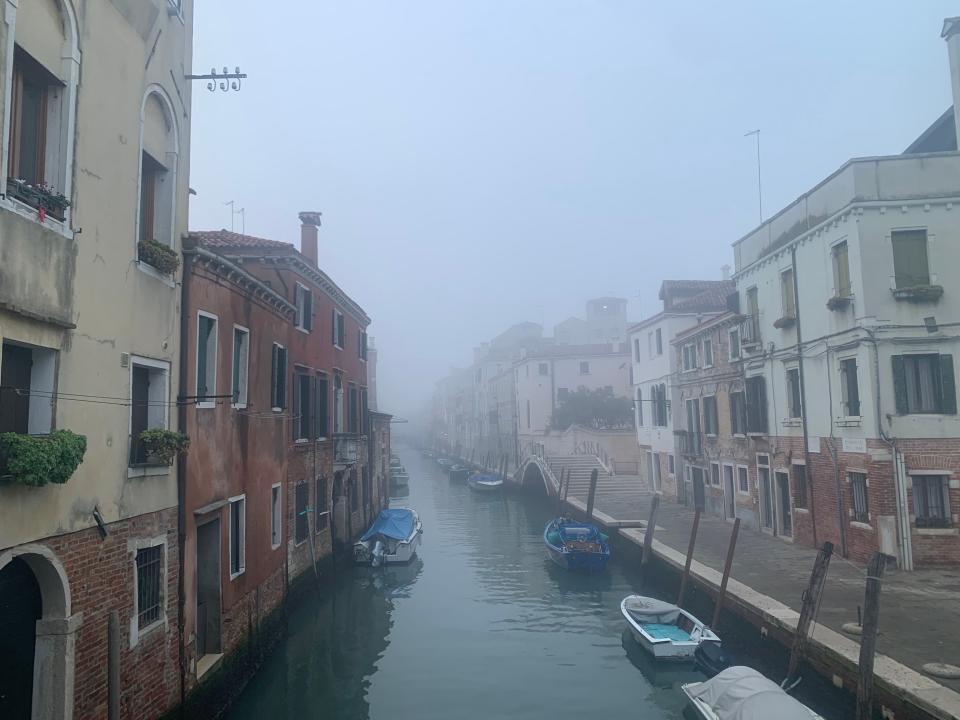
<point x="102" y="579"/>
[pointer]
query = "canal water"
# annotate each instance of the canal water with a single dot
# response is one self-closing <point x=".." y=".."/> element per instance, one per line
<point x="480" y="625"/>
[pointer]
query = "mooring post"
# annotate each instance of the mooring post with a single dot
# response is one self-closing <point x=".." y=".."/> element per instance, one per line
<point x="113" y="666"/>
<point x="686" y="567"/>
<point x="648" y="535"/>
<point x="592" y="493"/>
<point x="868" y="638"/>
<point x="560" y="495"/>
<point x="566" y="488"/>
<point x="726" y="573"/>
<point x="810" y="603"/>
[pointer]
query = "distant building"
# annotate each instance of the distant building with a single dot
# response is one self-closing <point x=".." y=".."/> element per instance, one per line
<point x="605" y="321"/>
<point x="654" y="372"/>
<point x="372" y="373"/>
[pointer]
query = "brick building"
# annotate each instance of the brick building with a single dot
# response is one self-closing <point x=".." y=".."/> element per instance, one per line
<point x="95" y="139"/>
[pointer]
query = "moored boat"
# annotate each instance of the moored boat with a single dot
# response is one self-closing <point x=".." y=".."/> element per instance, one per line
<point x="663" y="629"/>
<point x="741" y="693"/>
<point x="485" y="482"/>
<point x="393" y="538"/>
<point x="459" y="473"/>
<point x="399" y="478"/>
<point x="575" y="545"/>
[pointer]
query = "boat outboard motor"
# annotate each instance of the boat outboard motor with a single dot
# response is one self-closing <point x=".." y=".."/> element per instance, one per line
<point x="377" y="553"/>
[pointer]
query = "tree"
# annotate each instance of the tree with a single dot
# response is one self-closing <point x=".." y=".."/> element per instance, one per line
<point x="598" y="409"/>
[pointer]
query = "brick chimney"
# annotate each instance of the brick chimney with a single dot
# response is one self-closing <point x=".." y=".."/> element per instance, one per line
<point x="951" y="33"/>
<point x="308" y="235"/>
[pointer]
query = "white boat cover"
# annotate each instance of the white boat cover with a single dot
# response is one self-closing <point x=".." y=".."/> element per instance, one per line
<point x="650" y="610"/>
<point x="741" y="693"/>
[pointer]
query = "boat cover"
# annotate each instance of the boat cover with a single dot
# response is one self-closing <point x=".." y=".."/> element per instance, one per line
<point x="741" y="693"/>
<point x="651" y="610"/>
<point x="394" y="523"/>
<point x="486" y="478"/>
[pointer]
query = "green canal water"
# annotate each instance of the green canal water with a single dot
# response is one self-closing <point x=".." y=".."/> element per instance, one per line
<point x="480" y="625"/>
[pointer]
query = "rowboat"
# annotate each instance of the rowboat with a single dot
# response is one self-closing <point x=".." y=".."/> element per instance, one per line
<point x="485" y="482"/>
<point x="458" y="473"/>
<point x="741" y="693"/>
<point x="666" y="631"/>
<point x="393" y="538"/>
<point x="576" y="546"/>
<point x="398" y="475"/>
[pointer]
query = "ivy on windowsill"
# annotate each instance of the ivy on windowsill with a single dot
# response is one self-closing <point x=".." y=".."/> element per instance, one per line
<point x="162" y="446"/>
<point x="36" y="460"/>
<point x="158" y="256"/>
<point x="785" y="322"/>
<point x="839" y="302"/>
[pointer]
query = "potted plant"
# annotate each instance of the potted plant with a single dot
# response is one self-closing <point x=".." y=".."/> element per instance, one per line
<point x="158" y="256"/>
<point x="838" y="302"/>
<point x="36" y="460"/>
<point x="162" y="446"/>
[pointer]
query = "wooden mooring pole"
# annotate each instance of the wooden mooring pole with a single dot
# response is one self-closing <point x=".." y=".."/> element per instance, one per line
<point x="726" y="574"/>
<point x="686" y="567"/>
<point x="560" y="494"/>
<point x="808" y="609"/>
<point x="868" y="638"/>
<point x="648" y="535"/>
<point x="113" y="666"/>
<point x="592" y="493"/>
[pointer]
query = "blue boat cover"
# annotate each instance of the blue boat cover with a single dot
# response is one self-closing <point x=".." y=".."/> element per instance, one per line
<point x="395" y="523"/>
<point x="485" y="477"/>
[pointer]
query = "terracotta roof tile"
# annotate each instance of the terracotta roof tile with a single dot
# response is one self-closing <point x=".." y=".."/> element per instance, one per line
<point x="227" y="239"/>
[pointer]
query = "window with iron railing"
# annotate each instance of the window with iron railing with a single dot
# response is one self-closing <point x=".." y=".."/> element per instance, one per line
<point x="858" y="488"/>
<point x="931" y="501"/>
<point x="149" y="585"/>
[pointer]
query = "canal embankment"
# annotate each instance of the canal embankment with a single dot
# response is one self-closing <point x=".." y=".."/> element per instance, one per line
<point x="920" y="616"/>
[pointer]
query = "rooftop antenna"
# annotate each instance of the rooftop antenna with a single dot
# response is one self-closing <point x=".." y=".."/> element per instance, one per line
<point x="759" y="184"/>
<point x="242" y="212"/>
<point x="232" y="212"/>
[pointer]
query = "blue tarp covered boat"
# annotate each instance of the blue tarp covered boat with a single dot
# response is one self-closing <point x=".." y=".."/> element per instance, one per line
<point x="393" y="537"/>
<point x="485" y="481"/>
<point x="575" y="545"/>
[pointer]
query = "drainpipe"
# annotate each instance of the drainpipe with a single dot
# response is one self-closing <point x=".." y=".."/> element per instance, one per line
<point x="836" y="463"/>
<point x="803" y="396"/>
<point x="899" y="469"/>
<point x="182" y="476"/>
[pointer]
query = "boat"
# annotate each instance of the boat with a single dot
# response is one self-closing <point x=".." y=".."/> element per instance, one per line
<point x="393" y="538"/>
<point x="741" y="693"/>
<point x="485" y="482"/>
<point x="399" y="477"/>
<point x="459" y="473"/>
<point x="576" y="546"/>
<point x="665" y="630"/>
<point x="444" y="462"/>
<point x="712" y="657"/>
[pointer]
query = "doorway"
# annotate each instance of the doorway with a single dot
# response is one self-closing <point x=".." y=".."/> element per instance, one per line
<point x="20" y="607"/>
<point x="698" y="491"/>
<point x="765" y="490"/>
<point x="208" y="589"/>
<point x="729" y="500"/>
<point x="784" y="516"/>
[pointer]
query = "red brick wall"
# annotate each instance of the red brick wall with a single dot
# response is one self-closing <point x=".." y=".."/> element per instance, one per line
<point x="101" y="577"/>
<point x="934" y="547"/>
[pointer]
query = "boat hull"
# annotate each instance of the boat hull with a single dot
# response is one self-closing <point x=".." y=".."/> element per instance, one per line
<point x="391" y="551"/>
<point x="574" y="559"/>
<point x="665" y="648"/>
<point x="484" y="487"/>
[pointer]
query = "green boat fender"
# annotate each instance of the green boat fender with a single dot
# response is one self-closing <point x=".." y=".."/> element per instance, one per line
<point x="604" y="538"/>
<point x="553" y="537"/>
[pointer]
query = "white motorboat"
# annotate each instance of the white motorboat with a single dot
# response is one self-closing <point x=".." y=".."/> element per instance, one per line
<point x="666" y="631"/>
<point x="741" y="693"/>
<point x="393" y="538"/>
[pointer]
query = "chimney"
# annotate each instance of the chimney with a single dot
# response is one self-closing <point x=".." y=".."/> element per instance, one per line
<point x="308" y="235"/>
<point x="951" y="33"/>
<point x="725" y="271"/>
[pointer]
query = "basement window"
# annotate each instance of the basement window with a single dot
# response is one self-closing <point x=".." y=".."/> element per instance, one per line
<point x="858" y="488"/>
<point x="149" y="586"/>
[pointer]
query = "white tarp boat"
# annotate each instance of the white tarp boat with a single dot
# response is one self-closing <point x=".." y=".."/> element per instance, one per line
<point x="741" y="693"/>
<point x="393" y="538"/>
<point x="666" y="631"/>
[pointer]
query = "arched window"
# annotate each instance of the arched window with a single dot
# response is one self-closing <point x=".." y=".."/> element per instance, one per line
<point x="159" y="149"/>
<point x="41" y="100"/>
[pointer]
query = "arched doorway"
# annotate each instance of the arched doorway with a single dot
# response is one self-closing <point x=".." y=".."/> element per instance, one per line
<point x="21" y="605"/>
<point x="35" y="599"/>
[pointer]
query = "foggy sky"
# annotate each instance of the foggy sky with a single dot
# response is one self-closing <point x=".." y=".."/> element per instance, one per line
<point x="483" y="162"/>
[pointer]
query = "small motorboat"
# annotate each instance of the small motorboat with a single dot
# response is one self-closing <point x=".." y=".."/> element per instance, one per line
<point x="393" y="538"/>
<point x="485" y="482"/>
<point x="576" y="546"/>
<point x="741" y="693"/>
<point x="663" y="629"/>
<point x="444" y="462"/>
<point x="399" y="477"/>
<point x="459" y="473"/>
<point x="712" y="657"/>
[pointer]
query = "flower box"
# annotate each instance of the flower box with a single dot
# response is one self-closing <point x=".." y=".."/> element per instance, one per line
<point x="785" y="322"/>
<point x="919" y="293"/>
<point x="158" y="256"/>
<point x="839" y="302"/>
<point x="39" y="196"/>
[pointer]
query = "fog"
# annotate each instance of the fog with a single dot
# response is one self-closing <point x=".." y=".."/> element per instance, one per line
<point x="480" y="163"/>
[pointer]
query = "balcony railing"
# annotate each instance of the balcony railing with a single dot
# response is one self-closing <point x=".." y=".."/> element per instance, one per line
<point x="689" y="443"/>
<point x="750" y="330"/>
<point x="346" y="448"/>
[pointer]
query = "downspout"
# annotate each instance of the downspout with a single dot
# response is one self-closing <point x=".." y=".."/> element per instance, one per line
<point x="803" y="396"/>
<point x="836" y="463"/>
<point x="899" y="471"/>
<point x="182" y="476"/>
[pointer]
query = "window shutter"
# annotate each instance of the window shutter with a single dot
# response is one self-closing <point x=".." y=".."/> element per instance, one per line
<point x="948" y="391"/>
<point x="202" y="361"/>
<point x="333" y="325"/>
<point x="853" y="389"/>
<point x="900" y="384"/>
<point x="307" y="310"/>
<point x="273" y="377"/>
<point x="282" y="377"/>
<point x="762" y="403"/>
